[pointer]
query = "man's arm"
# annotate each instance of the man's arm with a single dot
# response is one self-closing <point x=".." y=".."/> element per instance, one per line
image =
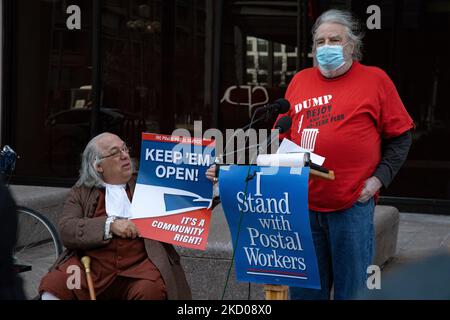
<point x="76" y="231"/>
<point x="394" y="153"/>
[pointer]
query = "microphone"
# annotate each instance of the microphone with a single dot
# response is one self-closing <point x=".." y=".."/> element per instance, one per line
<point x="279" y="106"/>
<point x="283" y="124"/>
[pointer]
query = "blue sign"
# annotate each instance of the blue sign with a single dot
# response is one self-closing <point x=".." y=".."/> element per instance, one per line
<point x="267" y="213"/>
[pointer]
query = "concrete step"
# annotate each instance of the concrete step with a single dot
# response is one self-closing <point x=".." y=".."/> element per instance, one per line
<point x="213" y="264"/>
<point x="207" y="271"/>
<point x="386" y="221"/>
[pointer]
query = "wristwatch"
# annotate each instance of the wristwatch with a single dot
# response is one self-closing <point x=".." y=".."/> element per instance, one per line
<point x="108" y="234"/>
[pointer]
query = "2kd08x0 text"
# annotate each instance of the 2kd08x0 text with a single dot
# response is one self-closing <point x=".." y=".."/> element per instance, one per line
<point x="232" y="309"/>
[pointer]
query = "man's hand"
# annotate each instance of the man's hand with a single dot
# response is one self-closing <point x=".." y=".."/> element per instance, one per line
<point x="124" y="228"/>
<point x="371" y="186"/>
<point x="211" y="174"/>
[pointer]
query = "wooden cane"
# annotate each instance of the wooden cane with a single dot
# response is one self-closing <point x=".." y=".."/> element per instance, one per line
<point x="86" y="261"/>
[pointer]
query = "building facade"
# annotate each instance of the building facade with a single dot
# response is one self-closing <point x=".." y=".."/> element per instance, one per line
<point x="132" y="66"/>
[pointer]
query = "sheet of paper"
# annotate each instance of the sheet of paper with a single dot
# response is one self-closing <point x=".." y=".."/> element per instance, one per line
<point x="281" y="160"/>
<point x="287" y="146"/>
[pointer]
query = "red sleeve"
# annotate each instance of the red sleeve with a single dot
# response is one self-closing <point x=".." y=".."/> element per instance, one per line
<point x="395" y="120"/>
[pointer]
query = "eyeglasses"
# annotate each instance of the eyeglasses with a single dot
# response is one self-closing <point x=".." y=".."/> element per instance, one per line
<point x="117" y="152"/>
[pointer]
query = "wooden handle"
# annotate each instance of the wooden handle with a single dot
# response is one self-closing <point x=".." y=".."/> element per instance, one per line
<point x="276" y="292"/>
<point x="86" y="261"/>
<point x="319" y="174"/>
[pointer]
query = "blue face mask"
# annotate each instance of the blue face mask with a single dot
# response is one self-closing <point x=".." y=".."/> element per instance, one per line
<point x="330" y="58"/>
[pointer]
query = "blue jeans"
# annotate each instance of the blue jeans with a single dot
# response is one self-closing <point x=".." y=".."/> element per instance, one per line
<point x="344" y="243"/>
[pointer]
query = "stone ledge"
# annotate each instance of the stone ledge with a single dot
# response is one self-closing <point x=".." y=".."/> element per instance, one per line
<point x="38" y="197"/>
<point x="207" y="270"/>
<point x="47" y="200"/>
<point x="386" y="220"/>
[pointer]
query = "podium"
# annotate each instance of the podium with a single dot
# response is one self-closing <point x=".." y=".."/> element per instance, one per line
<point x="275" y="247"/>
<point x="281" y="292"/>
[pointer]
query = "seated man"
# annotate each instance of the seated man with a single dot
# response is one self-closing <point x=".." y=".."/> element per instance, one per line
<point x="95" y="223"/>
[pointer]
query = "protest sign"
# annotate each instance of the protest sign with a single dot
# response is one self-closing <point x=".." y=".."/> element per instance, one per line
<point x="172" y="200"/>
<point x="267" y="213"/>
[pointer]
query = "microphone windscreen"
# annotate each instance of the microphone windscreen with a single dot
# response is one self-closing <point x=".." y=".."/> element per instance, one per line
<point x="284" y="124"/>
<point x="283" y="104"/>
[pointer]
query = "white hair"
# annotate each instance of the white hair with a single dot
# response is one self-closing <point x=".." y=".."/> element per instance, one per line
<point x="89" y="176"/>
<point x="345" y="18"/>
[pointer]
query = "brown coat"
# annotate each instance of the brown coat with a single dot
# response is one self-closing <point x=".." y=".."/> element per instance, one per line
<point x="79" y="230"/>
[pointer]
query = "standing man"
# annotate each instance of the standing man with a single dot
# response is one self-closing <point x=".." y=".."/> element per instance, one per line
<point x="353" y="116"/>
<point x="95" y="222"/>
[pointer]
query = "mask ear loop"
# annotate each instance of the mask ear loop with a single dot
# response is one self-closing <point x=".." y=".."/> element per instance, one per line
<point x="343" y="53"/>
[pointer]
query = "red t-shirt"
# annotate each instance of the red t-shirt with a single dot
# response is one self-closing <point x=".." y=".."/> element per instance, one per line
<point x="344" y="120"/>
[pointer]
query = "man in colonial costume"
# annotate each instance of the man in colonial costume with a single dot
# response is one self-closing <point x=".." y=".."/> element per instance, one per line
<point x="95" y="222"/>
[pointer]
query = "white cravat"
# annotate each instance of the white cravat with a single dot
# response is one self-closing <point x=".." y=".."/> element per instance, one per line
<point x="116" y="201"/>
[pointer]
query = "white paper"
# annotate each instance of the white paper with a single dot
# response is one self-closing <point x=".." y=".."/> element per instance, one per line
<point x="287" y="146"/>
<point x="281" y="160"/>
